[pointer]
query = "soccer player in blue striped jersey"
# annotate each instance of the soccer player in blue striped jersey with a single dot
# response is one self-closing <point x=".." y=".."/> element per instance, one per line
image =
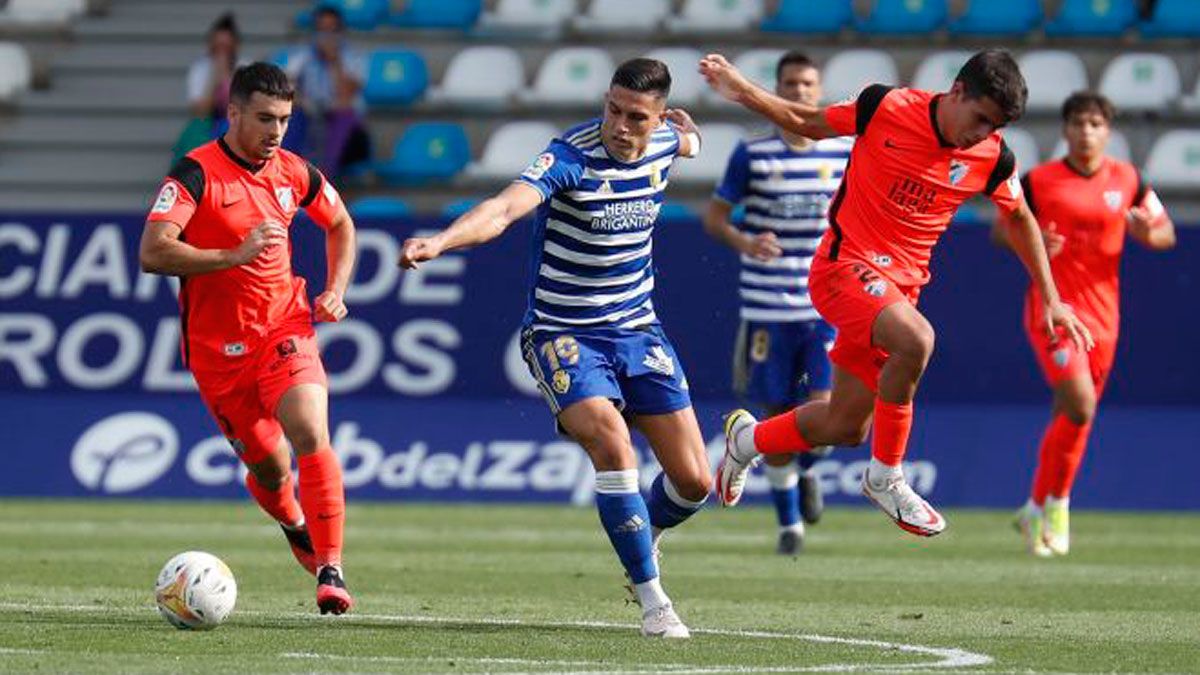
<point x="785" y="183"/>
<point x="591" y="337"/>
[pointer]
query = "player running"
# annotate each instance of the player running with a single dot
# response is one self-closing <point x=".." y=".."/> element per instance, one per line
<point x="220" y="223"/>
<point x="918" y="156"/>
<point x="1087" y="202"/>
<point x="785" y="183"/>
<point x="591" y="337"/>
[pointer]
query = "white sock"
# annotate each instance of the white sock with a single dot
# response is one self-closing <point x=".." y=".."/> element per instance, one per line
<point x="651" y="595"/>
<point x="1064" y="502"/>
<point x="1032" y="507"/>
<point x="798" y="528"/>
<point x="878" y="473"/>
<point x="656" y="534"/>
<point x="783" y="477"/>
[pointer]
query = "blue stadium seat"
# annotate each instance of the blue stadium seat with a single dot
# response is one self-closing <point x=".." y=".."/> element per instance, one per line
<point x="990" y="17"/>
<point x="395" y="76"/>
<point x="904" y="17"/>
<point x="358" y="14"/>
<point x="427" y="152"/>
<point x="1093" y="17"/>
<point x="379" y="207"/>
<point x="810" y="16"/>
<point x="453" y="14"/>
<point x="1173" y="18"/>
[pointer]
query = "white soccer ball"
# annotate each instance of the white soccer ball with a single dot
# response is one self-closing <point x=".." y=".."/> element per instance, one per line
<point x="195" y="590"/>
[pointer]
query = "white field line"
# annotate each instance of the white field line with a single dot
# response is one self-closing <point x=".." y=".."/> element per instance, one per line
<point x="950" y="658"/>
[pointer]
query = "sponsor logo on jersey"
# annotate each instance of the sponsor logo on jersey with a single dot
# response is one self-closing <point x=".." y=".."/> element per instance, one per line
<point x="234" y="348"/>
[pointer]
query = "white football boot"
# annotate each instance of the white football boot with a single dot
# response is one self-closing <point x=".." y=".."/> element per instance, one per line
<point x="731" y="472"/>
<point x="1057" y="528"/>
<point x="664" y="622"/>
<point x="1032" y="523"/>
<point x="904" y="506"/>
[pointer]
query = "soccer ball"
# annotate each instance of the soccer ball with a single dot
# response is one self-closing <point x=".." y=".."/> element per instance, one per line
<point x="195" y="590"/>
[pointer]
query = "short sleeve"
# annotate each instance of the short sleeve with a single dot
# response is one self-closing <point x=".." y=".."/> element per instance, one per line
<point x="557" y="169"/>
<point x="850" y="118"/>
<point x="732" y="188"/>
<point x="180" y="194"/>
<point x="321" y="200"/>
<point x="1004" y="183"/>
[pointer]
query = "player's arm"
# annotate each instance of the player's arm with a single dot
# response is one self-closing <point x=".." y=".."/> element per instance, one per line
<point x="719" y="226"/>
<point x="1051" y="238"/>
<point x="689" y="133"/>
<point x="163" y="252"/>
<point x="799" y="118"/>
<point x="324" y="205"/>
<point x="1149" y="224"/>
<point x="483" y="223"/>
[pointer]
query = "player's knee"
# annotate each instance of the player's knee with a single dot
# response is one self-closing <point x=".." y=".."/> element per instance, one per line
<point x="1081" y="410"/>
<point x="847" y="432"/>
<point x="269" y="474"/>
<point x="606" y="442"/>
<point x="308" y="439"/>
<point x="693" y="487"/>
<point x="917" y="344"/>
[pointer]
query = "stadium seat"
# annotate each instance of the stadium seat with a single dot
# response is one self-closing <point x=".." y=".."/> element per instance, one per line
<point x="938" y="70"/>
<point x="719" y="142"/>
<point x="673" y="212"/>
<point x="622" y="16"/>
<point x="993" y="17"/>
<point x="1118" y="146"/>
<point x="756" y="64"/>
<point x="1141" y="81"/>
<point x="511" y="148"/>
<point x="16" y="72"/>
<point x="481" y="76"/>
<point x="1023" y="146"/>
<point x="379" y="207"/>
<point x="282" y="56"/>
<point x="904" y="17"/>
<point x="1173" y="18"/>
<point x="43" y="11"/>
<point x="810" y="16"/>
<point x="358" y="14"/>
<point x="716" y="16"/>
<point x="1093" y="18"/>
<point x="572" y="75"/>
<point x="427" y="152"/>
<point x="686" y="83"/>
<point x="847" y="72"/>
<point x="1052" y="75"/>
<point x="449" y="14"/>
<point x="395" y="76"/>
<point x="539" y="17"/>
<point x="1174" y="161"/>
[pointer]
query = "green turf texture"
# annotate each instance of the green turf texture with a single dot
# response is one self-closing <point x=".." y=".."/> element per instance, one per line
<point x="464" y="589"/>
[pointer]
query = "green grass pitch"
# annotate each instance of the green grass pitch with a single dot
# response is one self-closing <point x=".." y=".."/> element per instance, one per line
<point x="482" y="588"/>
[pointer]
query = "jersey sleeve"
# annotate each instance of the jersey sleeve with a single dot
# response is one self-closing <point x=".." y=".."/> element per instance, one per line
<point x="1004" y="183"/>
<point x="559" y="168"/>
<point x="180" y="194"/>
<point x="850" y="118"/>
<point x="732" y="188"/>
<point x="321" y="200"/>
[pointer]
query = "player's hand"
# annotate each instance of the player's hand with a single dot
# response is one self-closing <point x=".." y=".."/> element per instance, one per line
<point x="261" y="238"/>
<point x="681" y="120"/>
<point x="764" y="247"/>
<point x="1053" y="240"/>
<point x="723" y="77"/>
<point x="330" y="307"/>
<point x="1059" y="315"/>
<point x="1140" y="222"/>
<point x="419" y="249"/>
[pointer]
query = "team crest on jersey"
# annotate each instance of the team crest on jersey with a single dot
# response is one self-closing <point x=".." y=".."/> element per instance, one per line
<point x="286" y="200"/>
<point x="876" y="288"/>
<point x="166" y="198"/>
<point x="539" y="167"/>
<point x="655" y="177"/>
<point x="1112" y="199"/>
<point x="825" y="171"/>
<point x="958" y="171"/>
<point x="561" y="381"/>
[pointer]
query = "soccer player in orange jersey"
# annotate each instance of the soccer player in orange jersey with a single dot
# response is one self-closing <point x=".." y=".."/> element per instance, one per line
<point x="220" y="223"/>
<point x="918" y="156"/>
<point x="1087" y="202"/>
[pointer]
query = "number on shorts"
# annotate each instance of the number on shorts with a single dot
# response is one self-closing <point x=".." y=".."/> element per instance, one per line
<point x="562" y="350"/>
<point x="760" y="345"/>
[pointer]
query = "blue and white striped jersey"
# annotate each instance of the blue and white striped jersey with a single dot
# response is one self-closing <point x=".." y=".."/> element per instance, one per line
<point x="785" y="191"/>
<point x="591" y="264"/>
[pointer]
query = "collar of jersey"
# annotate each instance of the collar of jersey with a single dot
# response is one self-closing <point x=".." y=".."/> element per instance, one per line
<point x="233" y="157"/>
<point x="933" y="104"/>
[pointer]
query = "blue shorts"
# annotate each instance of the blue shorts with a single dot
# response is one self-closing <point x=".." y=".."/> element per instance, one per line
<point x="782" y="363"/>
<point x="635" y="368"/>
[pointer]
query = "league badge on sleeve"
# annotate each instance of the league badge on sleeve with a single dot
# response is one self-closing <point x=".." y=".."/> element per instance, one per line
<point x="167" y="197"/>
<point x="539" y="167"/>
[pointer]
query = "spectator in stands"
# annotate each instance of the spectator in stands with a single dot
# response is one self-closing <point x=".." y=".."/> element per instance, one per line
<point x="208" y="86"/>
<point x="329" y="78"/>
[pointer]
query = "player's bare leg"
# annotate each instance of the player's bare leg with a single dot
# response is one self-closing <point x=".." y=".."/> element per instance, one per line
<point x="597" y="425"/>
<point x="1062" y="450"/>
<point x="270" y="482"/>
<point x="303" y="411"/>
<point x="683" y="486"/>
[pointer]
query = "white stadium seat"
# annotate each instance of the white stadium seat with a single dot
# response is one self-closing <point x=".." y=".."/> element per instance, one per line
<point x="520" y="16"/>
<point x="1052" y="75"/>
<point x="38" y="11"/>
<point x="1141" y="81"/>
<point x="1118" y="147"/>
<point x="716" y="16"/>
<point x="481" y="75"/>
<point x="756" y="64"/>
<point x="847" y="72"/>
<point x="623" y="16"/>
<point x="686" y="83"/>
<point x="938" y="70"/>
<point x="718" y="143"/>
<point x="1174" y="161"/>
<point x="1023" y="146"/>
<point x="572" y="75"/>
<point x="16" y="72"/>
<point x="511" y="148"/>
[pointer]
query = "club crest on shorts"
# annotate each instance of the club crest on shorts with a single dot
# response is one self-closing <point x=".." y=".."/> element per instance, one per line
<point x="876" y="288"/>
<point x="1061" y="357"/>
<point x="958" y="171"/>
<point x="286" y="348"/>
<point x="1112" y="199"/>
<point x="561" y="381"/>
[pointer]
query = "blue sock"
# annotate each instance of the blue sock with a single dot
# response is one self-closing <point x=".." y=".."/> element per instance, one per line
<point x="785" y="492"/>
<point x="667" y="507"/>
<point x="627" y="522"/>
<point x="807" y="460"/>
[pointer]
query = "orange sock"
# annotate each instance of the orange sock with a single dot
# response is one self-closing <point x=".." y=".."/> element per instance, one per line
<point x="324" y="503"/>
<point x="889" y="438"/>
<point x="280" y="504"/>
<point x="779" y="434"/>
<point x="1059" y="458"/>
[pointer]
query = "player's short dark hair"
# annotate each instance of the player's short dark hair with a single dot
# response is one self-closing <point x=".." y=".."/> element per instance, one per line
<point x="993" y="73"/>
<point x="326" y="9"/>
<point x="1088" y="101"/>
<point x="647" y="76"/>
<point x="794" y="57"/>
<point x="264" y="78"/>
<point x="225" y="23"/>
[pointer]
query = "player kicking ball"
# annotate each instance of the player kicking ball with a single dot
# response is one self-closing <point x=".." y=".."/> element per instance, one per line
<point x="918" y="157"/>
<point x="220" y="224"/>
<point x="590" y="335"/>
<point x="1088" y="201"/>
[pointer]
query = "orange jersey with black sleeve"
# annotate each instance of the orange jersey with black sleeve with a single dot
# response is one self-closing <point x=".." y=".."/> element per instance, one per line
<point x="218" y="198"/>
<point x="1089" y="211"/>
<point x="904" y="181"/>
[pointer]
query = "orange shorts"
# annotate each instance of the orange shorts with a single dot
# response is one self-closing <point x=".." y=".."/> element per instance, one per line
<point x="243" y="400"/>
<point x="1060" y="360"/>
<point x="850" y="293"/>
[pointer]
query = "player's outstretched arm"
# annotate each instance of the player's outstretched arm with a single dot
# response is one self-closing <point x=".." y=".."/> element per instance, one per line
<point x="488" y="220"/>
<point x="806" y="120"/>
<point x="162" y="252"/>
<point x="340" y="251"/>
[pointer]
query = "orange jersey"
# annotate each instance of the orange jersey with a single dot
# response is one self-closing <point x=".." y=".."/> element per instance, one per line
<point x="1089" y="211"/>
<point x="904" y="182"/>
<point x="218" y="198"/>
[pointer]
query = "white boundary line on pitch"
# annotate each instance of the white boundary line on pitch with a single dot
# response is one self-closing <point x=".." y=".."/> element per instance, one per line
<point x="947" y="657"/>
